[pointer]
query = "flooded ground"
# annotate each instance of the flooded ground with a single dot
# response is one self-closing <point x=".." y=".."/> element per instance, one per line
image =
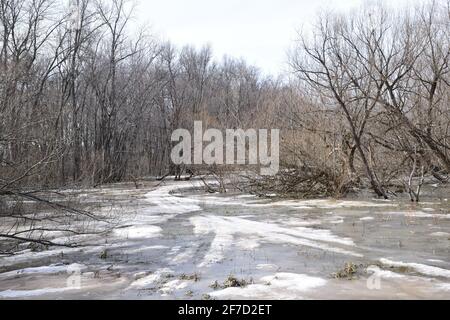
<point x="175" y="241"/>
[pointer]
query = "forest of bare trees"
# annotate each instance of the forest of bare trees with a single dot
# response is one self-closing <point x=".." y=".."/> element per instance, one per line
<point x="386" y="76"/>
<point x="85" y="99"/>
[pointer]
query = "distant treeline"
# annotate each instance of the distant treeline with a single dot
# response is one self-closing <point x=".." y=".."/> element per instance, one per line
<point x="83" y="100"/>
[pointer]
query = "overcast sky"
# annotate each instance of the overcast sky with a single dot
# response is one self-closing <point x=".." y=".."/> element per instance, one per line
<point x="260" y="31"/>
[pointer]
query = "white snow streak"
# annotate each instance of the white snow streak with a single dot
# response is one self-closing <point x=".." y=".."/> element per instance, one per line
<point x="420" y="268"/>
<point x="227" y="228"/>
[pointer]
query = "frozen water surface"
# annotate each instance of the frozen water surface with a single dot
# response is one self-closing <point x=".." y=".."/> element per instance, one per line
<point x="173" y="241"/>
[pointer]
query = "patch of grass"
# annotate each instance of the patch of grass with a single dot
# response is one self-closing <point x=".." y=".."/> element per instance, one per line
<point x="352" y="271"/>
<point x="104" y="255"/>
<point x="231" y="282"/>
<point x="215" y="285"/>
<point x="401" y="269"/>
<point x="189" y="293"/>
<point x="194" y="277"/>
<point x="207" y="297"/>
<point x="37" y="247"/>
<point x="349" y="272"/>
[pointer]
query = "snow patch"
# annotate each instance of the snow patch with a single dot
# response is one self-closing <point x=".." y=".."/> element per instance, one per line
<point x="166" y="203"/>
<point x="416" y="214"/>
<point x="227" y="228"/>
<point x="440" y="234"/>
<point x="281" y="286"/>
<point x="444" y="286"/>
<point x="420" y="268"/>
<point x="183" y="256"/>
<point x="324" y="204"/>
<point x="172" y="286"/>
<point x="435" y="261"/>
<point x="146" y="281"/>
<point x="51" y="269"/>
<point x="138" y="232"/>
<point x="14" y="294"/>
<point x="268" y="267"/>
<point x="145" y="248"/>
<point x="378" y="272"/>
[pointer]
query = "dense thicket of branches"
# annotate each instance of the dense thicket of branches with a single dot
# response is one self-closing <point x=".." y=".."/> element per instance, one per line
<point x="85" y="100"/>
<point x="385" y="76"/>
<point x="82" y="100"/>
